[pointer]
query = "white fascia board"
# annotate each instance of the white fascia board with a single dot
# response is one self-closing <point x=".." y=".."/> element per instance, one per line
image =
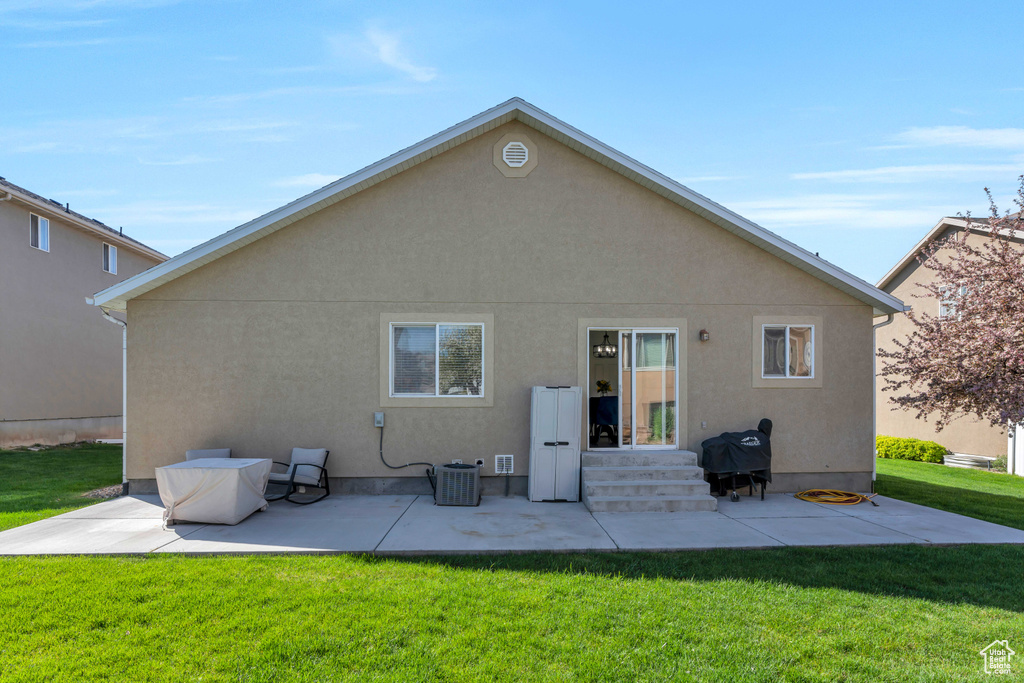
<point x="116" y="297"/>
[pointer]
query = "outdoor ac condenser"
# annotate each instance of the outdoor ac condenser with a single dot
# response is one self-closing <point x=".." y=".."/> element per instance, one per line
<point x="457" y="484"/>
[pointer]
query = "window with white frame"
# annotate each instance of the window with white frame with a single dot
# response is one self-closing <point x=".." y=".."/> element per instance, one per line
<point x="39" y="232"/>
<point x="109" y="258"/>
<point x="948" y="297"/>
<point x="437" y="359"/>
<point x="787" y="351"/>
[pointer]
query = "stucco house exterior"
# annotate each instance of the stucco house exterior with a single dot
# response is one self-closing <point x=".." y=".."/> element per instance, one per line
<point x="966" y="435"/>
<point x="60" y="361"/>
<point x="442" y="283"/>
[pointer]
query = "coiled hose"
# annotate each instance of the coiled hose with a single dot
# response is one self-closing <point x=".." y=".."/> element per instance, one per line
<point x="834" y="497"/>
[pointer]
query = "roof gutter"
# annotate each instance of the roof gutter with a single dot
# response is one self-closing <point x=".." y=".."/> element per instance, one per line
<point x="124" y="396"/>
<point x="874" y="394"/>
<point x="7" y="196"/>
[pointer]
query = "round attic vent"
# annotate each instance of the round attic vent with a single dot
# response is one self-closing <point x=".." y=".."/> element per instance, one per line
<point x="515" y="154"/>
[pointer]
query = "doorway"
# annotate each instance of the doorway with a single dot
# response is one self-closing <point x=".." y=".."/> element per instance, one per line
<point x="633" y="388"/>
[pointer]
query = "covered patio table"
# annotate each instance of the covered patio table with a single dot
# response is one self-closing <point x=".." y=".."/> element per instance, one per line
<point x="213" y="490"/>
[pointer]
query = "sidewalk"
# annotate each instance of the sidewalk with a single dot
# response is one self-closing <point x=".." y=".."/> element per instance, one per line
<point x="396" y="525"/>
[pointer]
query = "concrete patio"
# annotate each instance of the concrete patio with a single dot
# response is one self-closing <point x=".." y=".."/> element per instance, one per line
<point x="413" y="525"/>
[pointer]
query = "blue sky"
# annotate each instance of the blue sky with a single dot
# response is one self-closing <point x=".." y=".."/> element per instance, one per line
<point x="848" y="128"/>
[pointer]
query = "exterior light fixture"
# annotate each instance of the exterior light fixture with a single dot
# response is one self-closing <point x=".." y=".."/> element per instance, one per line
<point x="704" y="335"/>
<point x="605" y="349"/>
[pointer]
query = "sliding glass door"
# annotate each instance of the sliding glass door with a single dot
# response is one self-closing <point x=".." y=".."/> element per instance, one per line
<point x="647" y="388"/>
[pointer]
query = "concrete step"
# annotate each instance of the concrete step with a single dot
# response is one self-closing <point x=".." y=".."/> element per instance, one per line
<point x="635" y="472"/>
<point x="639" y="458"/>
<point x="696" y="503"/>
<point x="646" y="488"/>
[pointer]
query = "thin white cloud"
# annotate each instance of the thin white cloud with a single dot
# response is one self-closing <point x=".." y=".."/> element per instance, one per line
<point x="708" y="179"/>
<point x="142" y="214"/>
<point x="962" y="136"/>
<point x="837" y="211"/>
<point x="306" y="181"/>
<point x="179" y="161"/>
<point x="49" y="25"/>
<point x="57" y="44"/>
<point x="909" y="174"/>
<point x="389" y="50"/>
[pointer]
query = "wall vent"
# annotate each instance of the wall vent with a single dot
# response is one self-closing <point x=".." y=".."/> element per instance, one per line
<point x="503" y="464"/>
<point x="515" y="154"/>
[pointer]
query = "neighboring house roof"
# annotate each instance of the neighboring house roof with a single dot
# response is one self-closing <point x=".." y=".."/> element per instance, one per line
<point x="958" y="222"/>
<point x="55" y="209"/>
<point x="515" y="109"/>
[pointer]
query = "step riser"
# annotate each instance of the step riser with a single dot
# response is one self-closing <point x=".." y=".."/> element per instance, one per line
<point x="635" y="459"/>
<point x="652" y="489"/>
<point x="596" y="474"/>
<point x="640" y="505"/>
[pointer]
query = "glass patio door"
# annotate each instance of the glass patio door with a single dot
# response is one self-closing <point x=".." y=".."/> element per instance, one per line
<point x="647" y="388"/>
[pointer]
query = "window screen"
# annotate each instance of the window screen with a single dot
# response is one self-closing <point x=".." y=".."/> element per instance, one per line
<point x="437" y="360"/>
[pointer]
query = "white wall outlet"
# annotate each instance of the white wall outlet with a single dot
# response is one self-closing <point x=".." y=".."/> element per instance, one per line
<point x="456" y="461"/>
<point x="378" y="419"/>
<point x="480" y="462"/>
<point x="703" y="424"/>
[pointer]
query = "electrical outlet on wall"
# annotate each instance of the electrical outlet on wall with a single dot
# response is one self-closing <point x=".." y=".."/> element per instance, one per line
<point x="480" y="462"/>
<point x="378" y="419"/>
<point x="456" y="461"/>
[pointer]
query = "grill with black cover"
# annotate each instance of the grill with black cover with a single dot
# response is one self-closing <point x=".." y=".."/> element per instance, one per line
<point x="739" y="458"/>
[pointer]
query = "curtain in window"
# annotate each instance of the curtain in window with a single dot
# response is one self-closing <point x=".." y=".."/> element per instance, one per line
<point x="413" y="364"/>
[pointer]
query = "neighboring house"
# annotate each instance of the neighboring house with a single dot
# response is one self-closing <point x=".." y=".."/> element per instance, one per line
<point x="60" y="361"/>
<point x="441" y="283"/>
<point x="967" y="434"/>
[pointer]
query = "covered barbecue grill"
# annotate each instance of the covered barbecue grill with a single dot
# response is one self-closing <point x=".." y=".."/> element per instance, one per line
<point x="739" y="458"/>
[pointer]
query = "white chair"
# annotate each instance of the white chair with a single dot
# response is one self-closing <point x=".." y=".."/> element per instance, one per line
<point x="307" y="468"/>
<point x="200" y="454"/>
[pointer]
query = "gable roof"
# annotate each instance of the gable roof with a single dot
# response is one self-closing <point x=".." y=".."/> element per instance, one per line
<point x="515" y="109"/>
<point x="957" y="222"/>
<point x="54" y="209"/>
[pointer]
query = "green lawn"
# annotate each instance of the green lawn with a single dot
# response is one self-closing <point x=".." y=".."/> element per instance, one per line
<point x="39" y="484"/>
<point x="792" y="614"/>
<point x="896" y="613"/>
<point x="992" y="496"/>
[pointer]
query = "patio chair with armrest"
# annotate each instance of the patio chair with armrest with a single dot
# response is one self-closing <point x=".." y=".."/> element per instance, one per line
<point x="201" y="454"/>
<point x="308" y="467"/>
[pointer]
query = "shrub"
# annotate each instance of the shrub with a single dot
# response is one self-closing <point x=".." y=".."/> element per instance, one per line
<point x="909" y="449"/>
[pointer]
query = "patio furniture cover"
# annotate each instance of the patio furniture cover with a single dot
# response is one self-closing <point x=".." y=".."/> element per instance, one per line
<point x="213" y="490"/>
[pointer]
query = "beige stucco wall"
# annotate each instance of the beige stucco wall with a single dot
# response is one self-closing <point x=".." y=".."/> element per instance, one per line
<point x="59" y="360"/>
<point x="278" y="344"/>
<point x="964" y="435"/>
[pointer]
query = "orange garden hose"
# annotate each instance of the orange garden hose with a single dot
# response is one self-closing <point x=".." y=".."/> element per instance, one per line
<point x="833" y="497"/>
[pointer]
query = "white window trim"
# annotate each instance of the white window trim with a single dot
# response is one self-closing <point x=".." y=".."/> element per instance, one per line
<point x="40" y="221"/>
<point x="110" y="257"/>
<point x="437" y="356"/>
<point x="787" y="376"/>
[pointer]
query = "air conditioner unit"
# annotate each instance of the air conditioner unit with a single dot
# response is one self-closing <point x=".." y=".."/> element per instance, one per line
<point x="457" y="484"/>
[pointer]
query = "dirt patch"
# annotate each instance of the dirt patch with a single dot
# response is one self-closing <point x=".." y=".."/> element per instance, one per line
<point x="104" y="493"/>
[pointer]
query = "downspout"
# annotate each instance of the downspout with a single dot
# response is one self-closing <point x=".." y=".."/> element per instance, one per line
<point x="6" y="197"/>
<point x="124" y="399"/>
<point x="874" y="395"/>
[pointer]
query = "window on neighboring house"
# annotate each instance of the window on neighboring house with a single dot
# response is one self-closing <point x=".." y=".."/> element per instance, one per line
<point x="39" y="232"/>
<point x="787" y="351"/>
<point x="110" y="259"/>
<point x="947" y="300"/>
<point x="437" y="359"/>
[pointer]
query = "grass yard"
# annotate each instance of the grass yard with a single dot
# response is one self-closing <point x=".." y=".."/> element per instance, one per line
<point x="894" y="613"/>
<point x="39" y="484"/>
<point x="992" y="496"/>
<point x="793" y="614"/>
